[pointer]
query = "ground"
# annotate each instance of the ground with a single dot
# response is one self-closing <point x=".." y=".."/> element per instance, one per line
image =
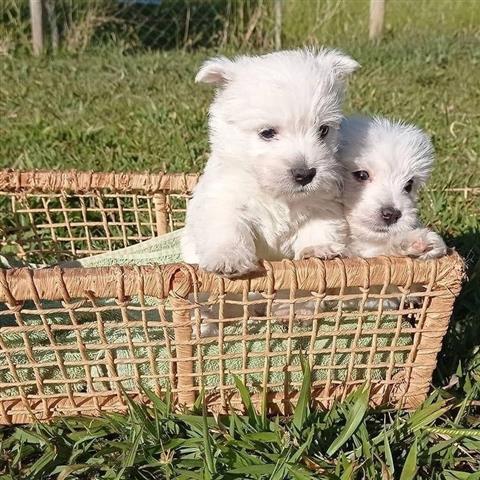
<point x="111" y="109"/>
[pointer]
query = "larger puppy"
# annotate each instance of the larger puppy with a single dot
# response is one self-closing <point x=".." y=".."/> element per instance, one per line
<point x="271" y="185"/>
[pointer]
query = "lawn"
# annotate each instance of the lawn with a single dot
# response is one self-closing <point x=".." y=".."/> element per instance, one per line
<point x="111" y="108"/>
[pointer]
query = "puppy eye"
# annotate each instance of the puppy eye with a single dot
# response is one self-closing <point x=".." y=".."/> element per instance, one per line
<point x="408" y="186"/>
<point x="323" y="131"/>
<point x="361" y="175"/>
<point x="267" y="133"/>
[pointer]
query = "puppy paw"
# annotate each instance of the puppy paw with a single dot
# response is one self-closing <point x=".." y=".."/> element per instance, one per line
<point x="325" y="252"/>
<point x="232" y="264"/>
<point x="422" y="243"/>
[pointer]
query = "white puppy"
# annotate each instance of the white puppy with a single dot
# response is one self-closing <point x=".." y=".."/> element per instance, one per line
<point x="271" y="184"/>
<point x="386" y="163"/>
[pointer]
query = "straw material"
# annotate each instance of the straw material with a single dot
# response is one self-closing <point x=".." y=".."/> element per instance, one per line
<point x="73" y="340"/>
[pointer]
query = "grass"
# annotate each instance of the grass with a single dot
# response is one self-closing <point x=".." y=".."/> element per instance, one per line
<point x="438" y="441"/>
<point x="118" y="112"/>
<point x="114" y="108"/>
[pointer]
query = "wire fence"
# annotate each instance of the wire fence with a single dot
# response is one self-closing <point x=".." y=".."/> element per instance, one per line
<point x="74" y="25"/>
<point x="157" y="24"/>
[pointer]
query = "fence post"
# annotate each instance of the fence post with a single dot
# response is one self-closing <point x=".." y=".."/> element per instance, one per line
<point x="377" y="16"/>
<point x="52" y="23"/>
<point x="278" y="24"/>
<point x="37" y="26"/>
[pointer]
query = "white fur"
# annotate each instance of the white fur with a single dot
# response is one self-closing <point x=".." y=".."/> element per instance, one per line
<point x="246" y="205"/>
<point x="392" y="153"/>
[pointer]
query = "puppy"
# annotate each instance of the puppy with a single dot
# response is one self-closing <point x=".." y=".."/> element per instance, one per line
<point x="385" y="165"/>
<point x="271" y="185"/>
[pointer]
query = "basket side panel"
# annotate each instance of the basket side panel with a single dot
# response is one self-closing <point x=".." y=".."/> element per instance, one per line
<point x="48" y="227"/>
<point x="75" y="341"/>
<point x="82" y="352"/>
<point x="357" y="322"/>
<point x="432" y="326"/>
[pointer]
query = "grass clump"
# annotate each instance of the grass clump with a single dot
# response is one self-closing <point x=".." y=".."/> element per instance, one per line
<point x="438" y="441"/>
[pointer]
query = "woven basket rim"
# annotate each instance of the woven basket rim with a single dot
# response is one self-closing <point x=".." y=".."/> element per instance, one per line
<point x="55" y="283"/>
<point x="79" y="181"/>
<point x="76" y="181"/>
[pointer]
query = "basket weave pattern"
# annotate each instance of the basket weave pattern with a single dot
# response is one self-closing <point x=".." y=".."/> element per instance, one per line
<point x="73" y="341"/>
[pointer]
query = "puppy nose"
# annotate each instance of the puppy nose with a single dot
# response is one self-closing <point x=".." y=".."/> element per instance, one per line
<point x="390" y="215"/>
<point x="303" y="176"/>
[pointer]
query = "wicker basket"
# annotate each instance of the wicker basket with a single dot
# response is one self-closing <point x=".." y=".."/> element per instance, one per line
<point x="73" y="341"/>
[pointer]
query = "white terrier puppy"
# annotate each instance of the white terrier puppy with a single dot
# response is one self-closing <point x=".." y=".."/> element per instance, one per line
<point x="271" y="185"/>
<point x="386" y="163"/>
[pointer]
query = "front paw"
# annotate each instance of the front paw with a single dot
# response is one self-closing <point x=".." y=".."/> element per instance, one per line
<point x="231" y="264"/>
<point x="325" y="252"/>
<point x="423" y="244"/>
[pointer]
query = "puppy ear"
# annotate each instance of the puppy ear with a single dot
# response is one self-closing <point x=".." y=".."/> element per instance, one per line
<point x="216" y="71"/>
<point x="342" y="65"/>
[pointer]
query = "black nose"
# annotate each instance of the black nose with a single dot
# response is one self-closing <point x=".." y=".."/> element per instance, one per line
<point x="303" y="176"/>
<point x="390" y="215"/>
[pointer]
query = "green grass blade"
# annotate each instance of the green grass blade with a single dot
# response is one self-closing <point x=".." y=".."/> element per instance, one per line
<point x="454" y="432"/>
<point x="265" y="437"/>
<point x="299" y="473"/>
<point x="158" y="404"/>
<point x="356" y="414"/>
<point x="65" y="470"/>
<point x="305" y="446"/>
<point x="302" y="409"/>
<point x="426" y="415"/>
<point x="246" y="399"/>
<point x="410" y="468"/>
<point x="388" y="456"/>
<point x="458" y="475"/>
<point x="257" y="470"/>
<point x="132" y="451"/>
<point x="348" y="473"/>
<point x="207" y="444"/>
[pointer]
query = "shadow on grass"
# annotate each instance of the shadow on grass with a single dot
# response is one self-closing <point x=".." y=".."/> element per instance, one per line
<point x="462" y="342"/>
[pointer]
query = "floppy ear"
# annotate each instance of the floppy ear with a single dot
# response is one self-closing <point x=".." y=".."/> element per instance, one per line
<point x="342" y="65"/>
<point x="216" y="71"/>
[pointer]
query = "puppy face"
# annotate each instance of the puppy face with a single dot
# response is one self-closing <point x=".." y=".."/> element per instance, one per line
<point x="275" y="118"/>
<point x="385" y="165"/>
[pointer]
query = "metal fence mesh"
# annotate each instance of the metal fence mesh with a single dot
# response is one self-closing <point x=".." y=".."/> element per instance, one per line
<point x="159" y="24"/>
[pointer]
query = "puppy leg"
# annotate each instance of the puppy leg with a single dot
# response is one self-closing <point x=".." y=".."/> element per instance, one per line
<point x="209" y="311"/>
<point x="420" y="243"/>
<point x="324" y="238"/>
<point x="321" y="237"/>
<point x="325" y="252"/>
<point x="219" y="239"/>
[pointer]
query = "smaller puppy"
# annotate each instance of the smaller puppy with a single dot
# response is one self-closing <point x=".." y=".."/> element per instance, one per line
<point x="386" y="163"/>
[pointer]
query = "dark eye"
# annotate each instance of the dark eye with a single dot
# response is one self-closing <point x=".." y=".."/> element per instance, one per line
<point x="267" y="133"/>
<point x="408" y="186"/>
<point x="361" y="175"/>
<point x="323" y="131"/>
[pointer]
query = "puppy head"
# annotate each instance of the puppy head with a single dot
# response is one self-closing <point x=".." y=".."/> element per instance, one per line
<point x="385" y="163"/>
<point x="275" y="118"/>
